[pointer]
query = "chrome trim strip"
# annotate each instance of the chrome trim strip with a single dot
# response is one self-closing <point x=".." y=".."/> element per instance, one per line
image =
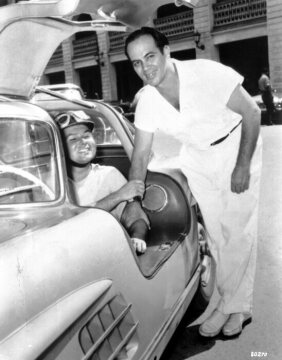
<point x="124" y="342"/>
<point x="104" y="336"/>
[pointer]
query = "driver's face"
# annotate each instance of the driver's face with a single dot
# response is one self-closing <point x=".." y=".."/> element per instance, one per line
<point x="80" y="143"/>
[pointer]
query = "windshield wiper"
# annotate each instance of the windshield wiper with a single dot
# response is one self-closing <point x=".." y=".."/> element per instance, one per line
<point x="17" y="189"/>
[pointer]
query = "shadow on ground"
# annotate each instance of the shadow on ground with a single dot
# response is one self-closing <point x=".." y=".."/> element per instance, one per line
<point x="187" y="342"/>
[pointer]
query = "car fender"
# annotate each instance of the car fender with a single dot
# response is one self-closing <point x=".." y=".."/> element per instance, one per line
<point x="39" y="268"/>
<point x="41" y="331"/>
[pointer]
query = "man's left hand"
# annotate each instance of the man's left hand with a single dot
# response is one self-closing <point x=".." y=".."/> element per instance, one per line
<point x="240" y="179"/>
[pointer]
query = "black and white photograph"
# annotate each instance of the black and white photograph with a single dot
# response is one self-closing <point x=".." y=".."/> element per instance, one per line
<point x="140" y="179"/>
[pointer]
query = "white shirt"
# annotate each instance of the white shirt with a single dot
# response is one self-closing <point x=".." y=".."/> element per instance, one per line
<point x="99" y="183"/>
<point x="205" y="87"/>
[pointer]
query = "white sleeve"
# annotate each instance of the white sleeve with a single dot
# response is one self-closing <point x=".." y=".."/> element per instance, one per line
<point x="222" y="80"/>
<point x="145" y="117"/>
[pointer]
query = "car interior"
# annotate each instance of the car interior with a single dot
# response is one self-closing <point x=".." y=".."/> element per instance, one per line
<point x="164" y="201"/>
<point x="164" y="197"/>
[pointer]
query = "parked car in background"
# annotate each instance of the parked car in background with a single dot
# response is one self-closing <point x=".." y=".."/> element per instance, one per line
<point x="71" y="90"/>
<point x="72" y="286"/>
<point x="277" y="117"/>
<point x="124" y="107"/>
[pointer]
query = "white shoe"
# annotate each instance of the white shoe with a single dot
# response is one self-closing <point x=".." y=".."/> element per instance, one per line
<point x="214" y="323"/>
<point x="235" y="323"/>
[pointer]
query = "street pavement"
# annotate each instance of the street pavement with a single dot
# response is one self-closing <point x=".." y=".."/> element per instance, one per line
<point x="263" y="337"/>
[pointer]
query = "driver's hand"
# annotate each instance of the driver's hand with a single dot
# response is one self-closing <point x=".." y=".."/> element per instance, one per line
<point x="139" y="245"/>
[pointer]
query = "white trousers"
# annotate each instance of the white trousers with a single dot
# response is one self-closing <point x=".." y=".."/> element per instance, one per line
<point x="230" y="218"/>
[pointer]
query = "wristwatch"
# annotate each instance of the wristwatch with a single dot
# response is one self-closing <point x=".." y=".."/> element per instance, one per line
<point x="135" y="199"/>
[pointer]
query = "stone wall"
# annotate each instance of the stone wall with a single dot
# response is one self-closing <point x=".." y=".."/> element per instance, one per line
<point x="274" y="29"/>
<point x="203" y="23"/>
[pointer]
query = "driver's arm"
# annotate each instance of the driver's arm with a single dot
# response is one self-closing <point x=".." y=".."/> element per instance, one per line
<point x="127" y="192"/>
<point x="141" y="155"/>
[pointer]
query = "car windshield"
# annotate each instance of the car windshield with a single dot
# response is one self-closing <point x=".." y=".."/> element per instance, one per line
<point x="28" y="171"/>
<point x="72" y="93"/>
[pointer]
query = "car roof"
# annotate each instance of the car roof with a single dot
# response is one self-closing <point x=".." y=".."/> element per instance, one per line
<point x="30" y="32"/>
<point x="22" y="110"/>
<point x="62" y="86"/>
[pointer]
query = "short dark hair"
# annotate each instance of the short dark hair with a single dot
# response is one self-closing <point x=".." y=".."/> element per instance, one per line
<point x="160" y="39"/>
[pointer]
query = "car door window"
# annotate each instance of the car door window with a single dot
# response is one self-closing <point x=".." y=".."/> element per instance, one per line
<point x="28" y="171"/>
<point x="104" y="134"/>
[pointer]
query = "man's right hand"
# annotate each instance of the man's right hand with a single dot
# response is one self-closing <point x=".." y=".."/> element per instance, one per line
<point x="132" y="189"/>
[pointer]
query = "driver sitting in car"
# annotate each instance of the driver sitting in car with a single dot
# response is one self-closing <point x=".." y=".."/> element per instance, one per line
<point x="101" y="186"/>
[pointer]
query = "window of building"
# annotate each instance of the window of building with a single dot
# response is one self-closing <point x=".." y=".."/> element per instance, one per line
<point x="56" y="78"/>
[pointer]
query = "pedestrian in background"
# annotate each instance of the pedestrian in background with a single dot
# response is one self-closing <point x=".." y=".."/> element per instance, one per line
<point x="203" y="105"/>
<point x="267" y="95"/>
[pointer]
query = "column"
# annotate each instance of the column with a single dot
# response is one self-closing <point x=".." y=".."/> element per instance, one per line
<point x="71" y="76"/>
<point x="108" y="73"/>
<point x="203" y="23"/>
<point x="274" y="30"/>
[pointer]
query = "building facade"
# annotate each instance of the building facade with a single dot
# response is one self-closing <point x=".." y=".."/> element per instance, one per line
<point x="245" y="34"/>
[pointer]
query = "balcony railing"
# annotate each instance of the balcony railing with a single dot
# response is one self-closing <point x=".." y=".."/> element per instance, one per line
<point x="57" y="57"/>
<point x="236" y="12"/>
<point x="179" y="25"/>
<point x="84" y="47"/>
<point x="117" y="40"/>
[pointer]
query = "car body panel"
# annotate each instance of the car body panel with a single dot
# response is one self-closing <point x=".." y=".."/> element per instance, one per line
<point x="49" y="260"/>
<point x="31" y="60"/>
<point x="36" y="9"/>
<point x="42" y="330"/>
<point x="134" y="13"/>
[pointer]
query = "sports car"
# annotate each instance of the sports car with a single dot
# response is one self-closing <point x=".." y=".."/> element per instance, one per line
<point x="72" y="286"/>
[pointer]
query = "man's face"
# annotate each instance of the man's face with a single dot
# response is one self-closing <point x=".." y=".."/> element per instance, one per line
<point x="148" y="61"/>
<point x="80" y="143"/>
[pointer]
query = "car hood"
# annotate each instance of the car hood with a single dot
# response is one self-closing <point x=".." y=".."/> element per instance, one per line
<point x="31" y="31"/>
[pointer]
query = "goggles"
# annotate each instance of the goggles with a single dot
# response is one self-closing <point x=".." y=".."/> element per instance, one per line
<point x="71" y="118"/>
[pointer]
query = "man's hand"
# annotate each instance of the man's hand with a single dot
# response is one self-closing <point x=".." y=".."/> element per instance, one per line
<point x="240" y="179"/>
<point x="131" y="189"/>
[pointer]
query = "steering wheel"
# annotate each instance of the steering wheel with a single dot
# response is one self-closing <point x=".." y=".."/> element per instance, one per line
<point x="26" y="175"/>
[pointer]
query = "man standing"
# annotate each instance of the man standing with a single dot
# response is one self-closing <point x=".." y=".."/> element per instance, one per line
<point x="266" y="95"/>
<point x="203" y="105"/>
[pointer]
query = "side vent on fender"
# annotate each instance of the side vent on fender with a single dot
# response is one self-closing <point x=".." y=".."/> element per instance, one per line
<point x="110" y="333"/>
